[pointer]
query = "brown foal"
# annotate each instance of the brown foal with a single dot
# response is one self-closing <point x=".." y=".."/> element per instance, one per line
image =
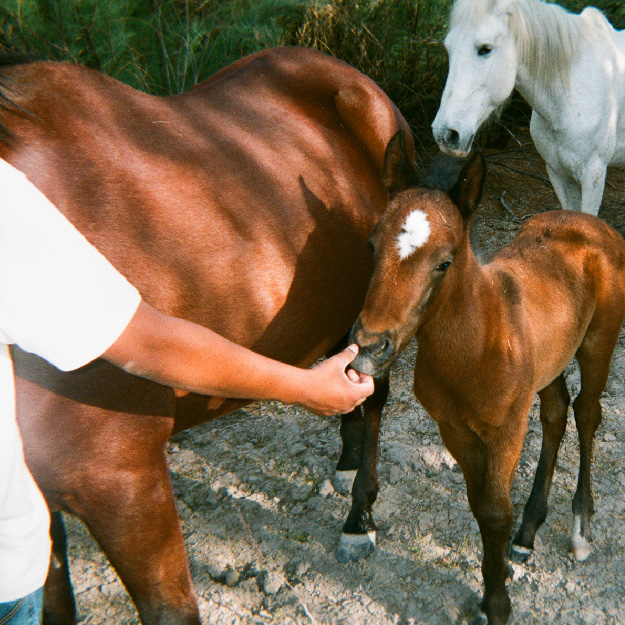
<point x="490" y="337"/>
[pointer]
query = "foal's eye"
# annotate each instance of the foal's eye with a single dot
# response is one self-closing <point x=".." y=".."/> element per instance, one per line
<point x="484" y="50"/>
<point x="443" y="267"/>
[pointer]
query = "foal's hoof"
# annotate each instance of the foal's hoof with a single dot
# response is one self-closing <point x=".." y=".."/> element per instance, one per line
<point x="580" y="548"/>
<point x="343" y="481"/>
<point x="520" y="554"/>
<point x="354" y="547"/>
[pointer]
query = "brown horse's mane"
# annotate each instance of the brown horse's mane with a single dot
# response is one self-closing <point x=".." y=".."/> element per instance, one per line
<point x="8" y="59"/>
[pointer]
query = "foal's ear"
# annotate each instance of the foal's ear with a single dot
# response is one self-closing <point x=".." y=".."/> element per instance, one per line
<point x="467" y="190"/>
<point x="399" y="173"/>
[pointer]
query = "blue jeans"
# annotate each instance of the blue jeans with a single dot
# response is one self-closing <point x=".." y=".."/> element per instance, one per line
<point x="24" y="611"/>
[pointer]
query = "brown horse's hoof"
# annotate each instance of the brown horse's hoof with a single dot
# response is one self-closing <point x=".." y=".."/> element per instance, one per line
<point x="354" y="547"/>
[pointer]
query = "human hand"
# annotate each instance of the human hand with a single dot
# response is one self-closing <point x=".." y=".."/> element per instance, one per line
<point x="333" y="390"/>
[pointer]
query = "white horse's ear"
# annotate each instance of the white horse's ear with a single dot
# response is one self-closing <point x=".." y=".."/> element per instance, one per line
<point x="399" y="172"/>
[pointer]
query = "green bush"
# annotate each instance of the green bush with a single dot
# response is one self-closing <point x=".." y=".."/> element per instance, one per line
<point x="166" y="46"/>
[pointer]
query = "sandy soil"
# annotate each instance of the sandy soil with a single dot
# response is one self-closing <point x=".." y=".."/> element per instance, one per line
<point x="262" y="520"/>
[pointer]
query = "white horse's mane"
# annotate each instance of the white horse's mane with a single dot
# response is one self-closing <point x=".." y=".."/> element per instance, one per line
<point x="548" y="37"/>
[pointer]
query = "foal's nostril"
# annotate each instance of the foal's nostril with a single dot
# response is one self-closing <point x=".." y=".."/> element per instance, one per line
<point x="383" y="348"/>
<point x="452" y="138"/>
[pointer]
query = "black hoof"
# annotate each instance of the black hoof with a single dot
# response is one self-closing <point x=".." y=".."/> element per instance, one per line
<point x="354" y="547"/>
<point x="519" y="554"/>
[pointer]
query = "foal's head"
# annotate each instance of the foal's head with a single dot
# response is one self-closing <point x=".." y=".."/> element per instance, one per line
<point x="415" y="244"/>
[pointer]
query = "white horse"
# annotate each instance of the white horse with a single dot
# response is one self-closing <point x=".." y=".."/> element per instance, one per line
<point x="570" y="69"/>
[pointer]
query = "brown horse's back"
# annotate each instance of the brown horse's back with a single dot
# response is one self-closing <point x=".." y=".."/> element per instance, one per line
<point x="243" y="205"/>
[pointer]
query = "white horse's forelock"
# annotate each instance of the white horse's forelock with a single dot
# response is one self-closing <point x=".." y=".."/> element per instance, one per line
<point x="548" y="38"/>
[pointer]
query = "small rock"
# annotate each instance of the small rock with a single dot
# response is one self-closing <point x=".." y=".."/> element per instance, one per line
<point x="326" y="489"/>
<point x="271" y="582"/>
<point x="301" y="493"/>
<point x="231" y="578"/>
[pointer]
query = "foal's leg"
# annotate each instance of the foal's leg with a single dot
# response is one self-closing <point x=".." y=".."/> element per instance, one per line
<point x="488" y="467"/>
<point x="352" y="432"/>
<point x="358" y="537"/>
<point x="59" y="606"/>
<point x="554" y="405"/>
<point x="587" y="409"/>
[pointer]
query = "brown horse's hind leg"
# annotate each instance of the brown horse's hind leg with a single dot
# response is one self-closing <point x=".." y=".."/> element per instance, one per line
<point x="134" y="519"/>
<point x="59" y="607"/>
<point x="358" y="537"/>
<point x="587" y="409"/>
<point x="554" y="405"/>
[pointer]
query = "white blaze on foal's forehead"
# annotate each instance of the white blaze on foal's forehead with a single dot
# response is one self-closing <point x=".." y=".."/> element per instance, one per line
<point x="414" y="233"/>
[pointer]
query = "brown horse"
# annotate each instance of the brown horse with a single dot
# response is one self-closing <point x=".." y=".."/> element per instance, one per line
<point x="245" y="206"/>
<point x="490" y="337"/>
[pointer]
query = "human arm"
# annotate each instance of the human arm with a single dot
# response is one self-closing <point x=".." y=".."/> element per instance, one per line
<point x="184" y="355"/>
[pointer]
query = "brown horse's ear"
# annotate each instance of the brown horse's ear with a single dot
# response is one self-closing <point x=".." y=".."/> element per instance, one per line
<point x="399" y="172"/>
<point x="467" y="190"/>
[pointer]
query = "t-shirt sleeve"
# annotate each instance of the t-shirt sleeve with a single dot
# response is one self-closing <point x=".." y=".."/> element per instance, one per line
<point x="59" y="297"/>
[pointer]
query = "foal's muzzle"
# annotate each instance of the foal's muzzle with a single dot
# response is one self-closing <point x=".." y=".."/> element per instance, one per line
<point x="376" y="350"/>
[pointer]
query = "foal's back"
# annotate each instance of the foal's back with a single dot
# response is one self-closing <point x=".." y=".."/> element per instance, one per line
<point x="564" y="272"/>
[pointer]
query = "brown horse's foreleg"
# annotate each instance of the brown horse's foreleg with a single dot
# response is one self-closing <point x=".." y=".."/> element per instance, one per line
<point x="488" y="468"/>
<point x="587" y="409"/>
<point x="134" y="519"/>
<point x="358" y="537"/>
<point x="352" y="432"/>
<point x="59" y="607"/>
<point x="554" y="405"/>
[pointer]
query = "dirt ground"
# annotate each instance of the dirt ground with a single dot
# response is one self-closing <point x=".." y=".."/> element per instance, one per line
<point x="262" y="520"/>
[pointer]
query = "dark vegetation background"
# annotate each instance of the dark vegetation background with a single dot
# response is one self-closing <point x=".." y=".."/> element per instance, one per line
<point x="165" y="46"/>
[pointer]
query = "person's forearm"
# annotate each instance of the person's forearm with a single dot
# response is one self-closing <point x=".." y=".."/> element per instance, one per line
<point x="183" y="355"/>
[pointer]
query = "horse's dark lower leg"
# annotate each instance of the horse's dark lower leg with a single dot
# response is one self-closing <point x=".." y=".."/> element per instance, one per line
<point x="587" y="410"/>
<point x="352" y="431"/>
<point x="554" y="404"/>
<point x="358" y="536"/>
<point x="587" y="418"/>
<point x="488" y="467"/>
<point x="59" y="607"/>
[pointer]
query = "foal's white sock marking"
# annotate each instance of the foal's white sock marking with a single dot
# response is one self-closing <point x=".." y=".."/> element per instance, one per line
<point x="579" y="545"/>
<point x="414" y="233"/>
<point x="357" y="539"/>
<point x="524" y="551"/>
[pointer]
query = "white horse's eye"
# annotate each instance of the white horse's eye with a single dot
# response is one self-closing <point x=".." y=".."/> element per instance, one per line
<point x="484" y="50"/>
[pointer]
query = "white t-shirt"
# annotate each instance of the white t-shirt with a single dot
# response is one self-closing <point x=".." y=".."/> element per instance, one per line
<point x="60" y="299"/>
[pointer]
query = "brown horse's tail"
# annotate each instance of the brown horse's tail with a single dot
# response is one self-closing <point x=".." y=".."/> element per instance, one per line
<point x="8" y="59"/>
